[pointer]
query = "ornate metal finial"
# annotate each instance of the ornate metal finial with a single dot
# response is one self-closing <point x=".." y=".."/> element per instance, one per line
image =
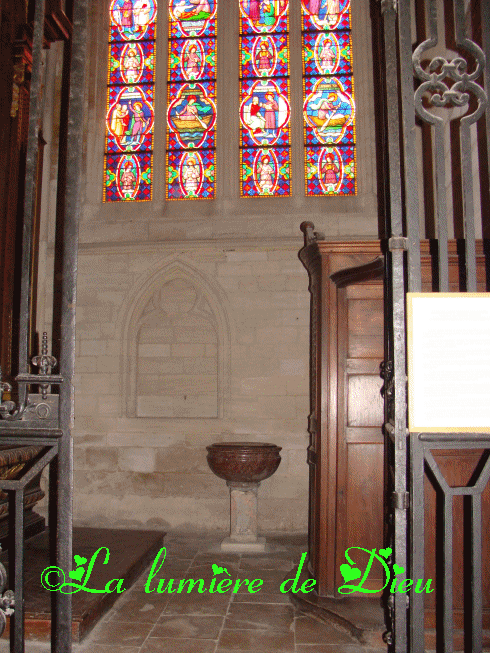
<point x="6" y="407"/>
<point x="44" y="362"/>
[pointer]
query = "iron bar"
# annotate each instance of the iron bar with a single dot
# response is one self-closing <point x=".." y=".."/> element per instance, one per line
<point x="455" y="438"/>
<point x="469" y="214"/>
<point x="434" y="467"/>
<point x="485" y="27"/>
<point x="447" y="580"/>
<point x="397" y="289"/>
<point x="440" y="173"/>
<point x="465" y="139"/>
<point x="476" y="575"/>
<point x="418" y="545"/>
<point x="31" y="473"/>
<point x="409" y="169"/>
<point x="35" y="101"/>
<point x="61" y="637"/>
<point x="442" y="246"/>
<point x="17" y="637"/>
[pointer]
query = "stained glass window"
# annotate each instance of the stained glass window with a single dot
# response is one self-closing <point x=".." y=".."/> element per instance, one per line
<point x="328" y="95"/>
<point x="191" y="108"/>
<point x="130" y="109"/>
<point x="265" y="169"/>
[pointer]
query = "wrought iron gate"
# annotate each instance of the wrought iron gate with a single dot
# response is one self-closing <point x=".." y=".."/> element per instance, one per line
<point x="42" y="413"/>
<point x="436" y="142"/>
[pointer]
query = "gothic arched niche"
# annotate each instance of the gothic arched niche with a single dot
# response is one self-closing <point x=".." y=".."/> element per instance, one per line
<point x="177" y="346"/>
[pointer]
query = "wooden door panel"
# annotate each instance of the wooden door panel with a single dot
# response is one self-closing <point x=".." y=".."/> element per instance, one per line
<point x="364" y="400"/>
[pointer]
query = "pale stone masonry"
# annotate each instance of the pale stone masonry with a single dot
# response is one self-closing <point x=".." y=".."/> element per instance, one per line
<point x="193" y="316"/>
<point x="152" y="471"/>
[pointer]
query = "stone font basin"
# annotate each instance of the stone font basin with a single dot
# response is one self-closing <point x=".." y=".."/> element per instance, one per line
<point x="243" y="462"/>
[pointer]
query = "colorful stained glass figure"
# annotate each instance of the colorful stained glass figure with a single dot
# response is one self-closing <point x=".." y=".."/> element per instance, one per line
<point x="329" y="110"/>
<point x="265" y="110"/>
<point x="190" y="174"/>
<point x="328" y="96"/>
<point x="130" y="108"/>
<point x="265" y="113"/>
<point x="329" y="15"/>
<point x="265" y="172"/>
<point x="191" y="100"/>
<point x="330" y="171"/>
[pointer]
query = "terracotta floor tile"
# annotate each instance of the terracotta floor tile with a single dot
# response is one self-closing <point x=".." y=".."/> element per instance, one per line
<point x="310" y="631"/>
<point x="276" y="575"/>
<point x="217" y="557"/>
<point x="201" y="604"/>
<point x="188" y="626"/>
<point x="259" y="562"/>
<point x="140" y="606"/>
<point x="267" y="587"/>
<point x="120" y="633"/>
<point x="168" y="645"/>
<point x="101" y="648"/>
<point x="256" y="641"/>
<point x="261" y="597"/>
<point x="264" y="616"/>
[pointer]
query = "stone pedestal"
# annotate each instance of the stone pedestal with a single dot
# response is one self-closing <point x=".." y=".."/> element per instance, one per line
<point x="243" y="520"/>
<point x="243" y="465"/>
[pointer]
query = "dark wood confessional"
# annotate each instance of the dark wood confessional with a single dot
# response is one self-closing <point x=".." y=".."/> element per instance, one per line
<point x="346" y="451"/>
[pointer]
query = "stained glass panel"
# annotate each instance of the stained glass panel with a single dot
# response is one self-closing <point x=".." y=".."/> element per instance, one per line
<point x="191" y="100"/>
<point x="265" y="109"/>
<point x="130" y="108"/>
<point x="328" y="97"/>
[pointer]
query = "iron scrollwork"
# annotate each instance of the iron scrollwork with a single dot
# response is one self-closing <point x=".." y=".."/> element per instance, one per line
<point x="435" y="81"/>
<point x="9" y="410"/>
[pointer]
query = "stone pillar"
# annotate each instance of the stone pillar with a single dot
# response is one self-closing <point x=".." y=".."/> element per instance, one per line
<point x="243" y="520"/>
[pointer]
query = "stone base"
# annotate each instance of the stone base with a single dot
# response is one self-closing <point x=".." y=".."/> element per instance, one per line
<point x="230" y="545"/>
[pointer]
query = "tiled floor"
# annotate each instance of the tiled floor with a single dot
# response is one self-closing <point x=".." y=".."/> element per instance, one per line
<point x="262" y="622"/>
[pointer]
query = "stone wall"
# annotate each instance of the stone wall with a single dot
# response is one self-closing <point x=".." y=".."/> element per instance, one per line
<point x="135" y="470"/>
<point x="193" y="316"/>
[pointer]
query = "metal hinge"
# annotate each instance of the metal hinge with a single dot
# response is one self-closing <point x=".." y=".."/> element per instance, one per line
<point x="401" y="500"/>
<point x="398" y="242"/>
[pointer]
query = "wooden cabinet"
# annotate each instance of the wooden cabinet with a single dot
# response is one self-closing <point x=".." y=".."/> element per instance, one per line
<point x="346" y="452"/>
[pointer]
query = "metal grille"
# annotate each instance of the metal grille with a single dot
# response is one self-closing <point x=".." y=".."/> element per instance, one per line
<point x="436" y="147"/>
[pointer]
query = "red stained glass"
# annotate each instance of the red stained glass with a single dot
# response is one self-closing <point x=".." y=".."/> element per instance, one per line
<point x="191" y="100"/>
<point x="265" y="110"/>
<point x="328" y="98"/>
<point x="130" y="108"/>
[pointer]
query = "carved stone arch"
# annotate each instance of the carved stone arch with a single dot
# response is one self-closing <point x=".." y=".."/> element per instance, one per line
<point x="142" y="306"/>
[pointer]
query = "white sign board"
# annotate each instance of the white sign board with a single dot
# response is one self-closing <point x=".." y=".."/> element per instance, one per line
<point x="448" y="361"/>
